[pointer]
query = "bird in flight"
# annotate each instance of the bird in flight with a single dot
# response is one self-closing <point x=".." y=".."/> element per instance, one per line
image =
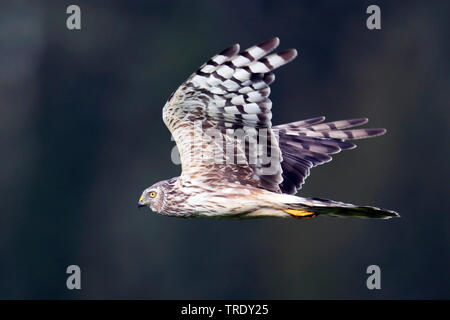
<point x="235" y="164"/>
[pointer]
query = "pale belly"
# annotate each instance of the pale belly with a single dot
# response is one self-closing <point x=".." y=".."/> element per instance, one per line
<point x="235" y="203"/>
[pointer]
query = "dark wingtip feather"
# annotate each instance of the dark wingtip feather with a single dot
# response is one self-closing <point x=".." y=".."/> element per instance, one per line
<point x="315" y="120"/>
<point x="288" y="55"/>
<point x="376" y="132"/>
<point x="269" y="78"/>
<point x="346" y="145"/>
<point x="231" y="51"/>
<point x="270" y="44"/>
<point x="358" y="121"/>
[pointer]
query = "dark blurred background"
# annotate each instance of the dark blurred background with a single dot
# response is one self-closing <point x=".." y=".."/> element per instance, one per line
<point x="82" y="136"/>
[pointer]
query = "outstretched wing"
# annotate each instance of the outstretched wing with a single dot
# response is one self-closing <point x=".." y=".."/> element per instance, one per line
<point x="223" y="101"/>
<point x="309" y="143"/>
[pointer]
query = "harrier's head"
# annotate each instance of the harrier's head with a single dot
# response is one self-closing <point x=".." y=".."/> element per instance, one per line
<point x="153" y="197"/>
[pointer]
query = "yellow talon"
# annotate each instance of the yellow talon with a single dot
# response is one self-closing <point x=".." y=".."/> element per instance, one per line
<point x="300" y="213"/>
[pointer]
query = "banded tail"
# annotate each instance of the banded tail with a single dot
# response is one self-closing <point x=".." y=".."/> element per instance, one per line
<point x="311" y="207"/>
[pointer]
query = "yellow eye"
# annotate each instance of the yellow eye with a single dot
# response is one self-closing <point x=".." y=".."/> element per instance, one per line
<point x="152" y="194"/>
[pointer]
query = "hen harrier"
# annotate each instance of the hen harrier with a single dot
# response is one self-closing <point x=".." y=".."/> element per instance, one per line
<point x="235" y="164"/>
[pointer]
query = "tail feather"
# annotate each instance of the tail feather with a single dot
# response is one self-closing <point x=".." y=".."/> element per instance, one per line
<point x="314" y="206"/>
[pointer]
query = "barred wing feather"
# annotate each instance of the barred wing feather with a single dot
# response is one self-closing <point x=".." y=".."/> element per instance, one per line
<point x="228" y="92"/>
<point x="309" y="143"/>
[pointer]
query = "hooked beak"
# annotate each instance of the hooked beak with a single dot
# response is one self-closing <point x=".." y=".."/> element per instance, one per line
<point x="141" y="202"/>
